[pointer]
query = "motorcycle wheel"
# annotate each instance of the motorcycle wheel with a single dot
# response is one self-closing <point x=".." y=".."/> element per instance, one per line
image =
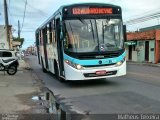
<point x="12" y="70"/>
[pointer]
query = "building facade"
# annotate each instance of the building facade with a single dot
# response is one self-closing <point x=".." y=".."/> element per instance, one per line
<point x="143" y="46"/>
<point x="4" y="44"/>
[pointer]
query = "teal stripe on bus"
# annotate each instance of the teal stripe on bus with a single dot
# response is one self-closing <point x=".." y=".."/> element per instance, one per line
<point x="95" y="61"/>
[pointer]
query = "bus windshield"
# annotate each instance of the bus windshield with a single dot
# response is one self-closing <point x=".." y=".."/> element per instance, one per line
<point x="93" y="35"/>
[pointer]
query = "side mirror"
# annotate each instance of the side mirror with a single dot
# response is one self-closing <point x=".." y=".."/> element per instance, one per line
<point x="124" y="33"/>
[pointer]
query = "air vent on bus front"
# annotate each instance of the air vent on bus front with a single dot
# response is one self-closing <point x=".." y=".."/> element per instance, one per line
<point x="101" y="56"/>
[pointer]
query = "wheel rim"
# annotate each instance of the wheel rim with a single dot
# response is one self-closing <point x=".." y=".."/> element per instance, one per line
<point x="12" y="70"/>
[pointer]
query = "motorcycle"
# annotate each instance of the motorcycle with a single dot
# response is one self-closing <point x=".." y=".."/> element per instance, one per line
<point x="10" y="65"/>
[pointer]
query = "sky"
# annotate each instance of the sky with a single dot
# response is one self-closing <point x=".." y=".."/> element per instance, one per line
<point x="37" y="11"/>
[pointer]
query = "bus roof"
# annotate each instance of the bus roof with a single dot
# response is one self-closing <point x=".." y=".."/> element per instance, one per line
<point x="73" y="5"/>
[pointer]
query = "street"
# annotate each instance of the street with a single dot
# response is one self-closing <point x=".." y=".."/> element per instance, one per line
<point x="137" y="92"/>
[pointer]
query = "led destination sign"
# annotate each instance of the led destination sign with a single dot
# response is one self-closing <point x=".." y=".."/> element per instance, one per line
<point x="82" y="11"/>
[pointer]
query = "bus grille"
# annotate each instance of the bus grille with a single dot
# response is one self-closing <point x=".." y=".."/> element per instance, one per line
<point x="101" y="56"/>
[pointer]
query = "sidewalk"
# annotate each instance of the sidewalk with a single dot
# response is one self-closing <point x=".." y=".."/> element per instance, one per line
<point x="143" y="63"/>
<point x="17" y="90"/>
<point x="23" y="65"/>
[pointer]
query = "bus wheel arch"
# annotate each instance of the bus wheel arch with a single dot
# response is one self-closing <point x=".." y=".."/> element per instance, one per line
<point x="42" y="64"/>
<point x="56" y="71"/>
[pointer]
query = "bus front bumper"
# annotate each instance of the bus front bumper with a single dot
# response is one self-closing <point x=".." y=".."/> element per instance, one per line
<point x="94" y="73"/>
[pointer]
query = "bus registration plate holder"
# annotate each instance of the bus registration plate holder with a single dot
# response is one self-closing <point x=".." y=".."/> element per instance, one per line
<point x="101" y="72"/>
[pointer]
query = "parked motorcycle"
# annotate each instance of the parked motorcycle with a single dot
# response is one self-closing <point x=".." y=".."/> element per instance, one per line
<point x="9" y="65"/>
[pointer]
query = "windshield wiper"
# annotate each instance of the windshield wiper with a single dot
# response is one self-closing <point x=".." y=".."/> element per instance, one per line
<point x="82" y="21"/>
<point x="72" y="33"/>
<point x="97" y="34"/>
<point x="92" y="31"/>
<point x="102" y="32"/>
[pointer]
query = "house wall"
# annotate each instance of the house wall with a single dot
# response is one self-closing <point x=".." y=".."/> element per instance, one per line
<point x="134" y="55"/>
<point x="152" y="51"/>
<point x="140" y="51"/>
<point x="126" y="49"/>
<point x="3" y="40"/>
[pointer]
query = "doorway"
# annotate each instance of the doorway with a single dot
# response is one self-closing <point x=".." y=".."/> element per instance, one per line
<point x="147" y="51"/>
<point x="130" y="52"/>
<point x="59" y="47"/>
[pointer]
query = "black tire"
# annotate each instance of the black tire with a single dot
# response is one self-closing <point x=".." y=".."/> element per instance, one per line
<point x="43" y="69"/>
<point x="56" y="70"/>
<point x="12" y="70"/>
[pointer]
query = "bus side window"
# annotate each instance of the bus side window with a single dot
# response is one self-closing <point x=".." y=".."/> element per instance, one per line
<point x="50" y="32"/>
<point x="48" y="37"/>
<point x="41" y="37"/>
<point x="53" y="32"/>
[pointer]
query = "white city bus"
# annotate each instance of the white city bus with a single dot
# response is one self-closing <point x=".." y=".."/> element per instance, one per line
<point x="82" y="42"/>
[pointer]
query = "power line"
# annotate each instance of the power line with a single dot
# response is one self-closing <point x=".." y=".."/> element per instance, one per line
<point x="38" y="10"/>
<point x="148" y="15"/>
<point x="143" y="18"/>
<point x="9" y="11"/>
<point x="145" y="14"/>
<point x="24" y="15"/>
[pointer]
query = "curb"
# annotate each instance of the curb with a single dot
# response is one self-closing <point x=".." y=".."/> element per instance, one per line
<point x="144" y="64"/>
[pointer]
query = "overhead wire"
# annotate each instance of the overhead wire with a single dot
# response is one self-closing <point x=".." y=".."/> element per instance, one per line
<point x="24" y="15"/>
<point x="42" y="13"/>
<point x="144" y="14"/>
<point x="143" y="18"/>
<point x="10" y="15"/>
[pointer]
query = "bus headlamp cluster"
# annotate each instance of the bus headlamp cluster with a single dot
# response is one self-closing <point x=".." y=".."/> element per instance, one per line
<point x="120" y="62"/>
<point x="74" y="65"/>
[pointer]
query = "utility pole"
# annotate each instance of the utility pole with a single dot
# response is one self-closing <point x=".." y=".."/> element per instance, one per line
<point x="18" y="29"/>
<point x="6" y="23"/>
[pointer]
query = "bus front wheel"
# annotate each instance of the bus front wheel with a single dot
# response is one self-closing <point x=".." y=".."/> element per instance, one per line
<point x="57" y="74"/>
<point x="43" y="69"/>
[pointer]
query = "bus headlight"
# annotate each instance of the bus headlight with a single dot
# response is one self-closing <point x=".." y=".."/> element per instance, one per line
<point x="77" y="66"/>
<point x="120" y="62"/>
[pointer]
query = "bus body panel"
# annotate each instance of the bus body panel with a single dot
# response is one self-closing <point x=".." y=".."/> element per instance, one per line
<point x="105" y="61"/>
<point x="74" y="74"/>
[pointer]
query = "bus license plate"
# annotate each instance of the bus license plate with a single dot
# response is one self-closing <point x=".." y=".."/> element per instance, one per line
<point x="102" y="72"/>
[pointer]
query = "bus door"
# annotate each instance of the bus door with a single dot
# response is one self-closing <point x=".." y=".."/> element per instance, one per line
<point x="37" y="45"/>
<point x="59" y="47"/>
<point x="45" y="46"/>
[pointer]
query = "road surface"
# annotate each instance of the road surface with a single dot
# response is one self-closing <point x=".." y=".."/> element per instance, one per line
<point x="137" y="92"/>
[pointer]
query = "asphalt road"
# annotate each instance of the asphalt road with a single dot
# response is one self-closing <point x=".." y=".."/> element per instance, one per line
<point x="137" y="92"/>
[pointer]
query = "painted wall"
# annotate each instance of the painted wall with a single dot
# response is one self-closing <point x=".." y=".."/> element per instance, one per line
<point x="126" y="49"/>
<point x="3" y="40"/>
<point x="152" y="51"/>
<point x="140" y="51"/>
<point x="134" y="55"/>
